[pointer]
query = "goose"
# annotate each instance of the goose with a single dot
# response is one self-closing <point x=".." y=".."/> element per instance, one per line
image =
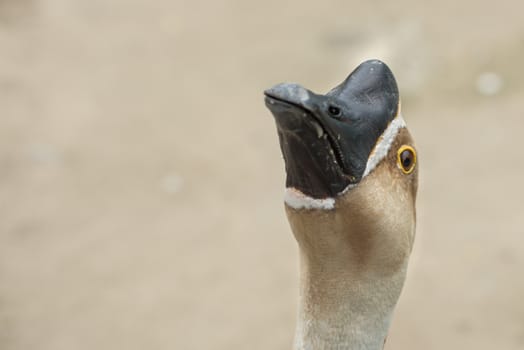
<point x="351" y="184"/>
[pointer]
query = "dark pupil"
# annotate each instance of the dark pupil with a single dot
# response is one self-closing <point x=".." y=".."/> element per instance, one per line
<point x="334" y="110"/>
<point x="406" y="158"/>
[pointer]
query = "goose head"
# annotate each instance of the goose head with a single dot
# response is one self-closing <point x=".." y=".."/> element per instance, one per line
<point x="351" y="184"/>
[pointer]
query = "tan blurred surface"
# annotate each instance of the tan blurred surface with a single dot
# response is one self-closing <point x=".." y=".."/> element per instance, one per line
<point x="141" y="181"/>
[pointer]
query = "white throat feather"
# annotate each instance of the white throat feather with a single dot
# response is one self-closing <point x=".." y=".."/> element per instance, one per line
<point x="298" y="200"/>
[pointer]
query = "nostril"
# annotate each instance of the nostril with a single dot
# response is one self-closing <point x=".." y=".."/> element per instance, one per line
<point x="335" y="112"/>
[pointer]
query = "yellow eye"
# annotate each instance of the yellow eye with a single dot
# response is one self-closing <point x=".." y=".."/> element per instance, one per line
<point x="406" y="159"/>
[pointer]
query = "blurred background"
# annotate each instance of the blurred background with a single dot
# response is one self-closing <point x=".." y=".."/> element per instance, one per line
<point x="141" y="180"/>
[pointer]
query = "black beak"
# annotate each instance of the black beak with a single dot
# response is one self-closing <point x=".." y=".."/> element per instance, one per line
<point x="327" y="139"/>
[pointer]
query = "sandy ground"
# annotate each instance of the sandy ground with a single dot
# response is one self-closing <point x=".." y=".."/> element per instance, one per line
<point x="141" y="181"/>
